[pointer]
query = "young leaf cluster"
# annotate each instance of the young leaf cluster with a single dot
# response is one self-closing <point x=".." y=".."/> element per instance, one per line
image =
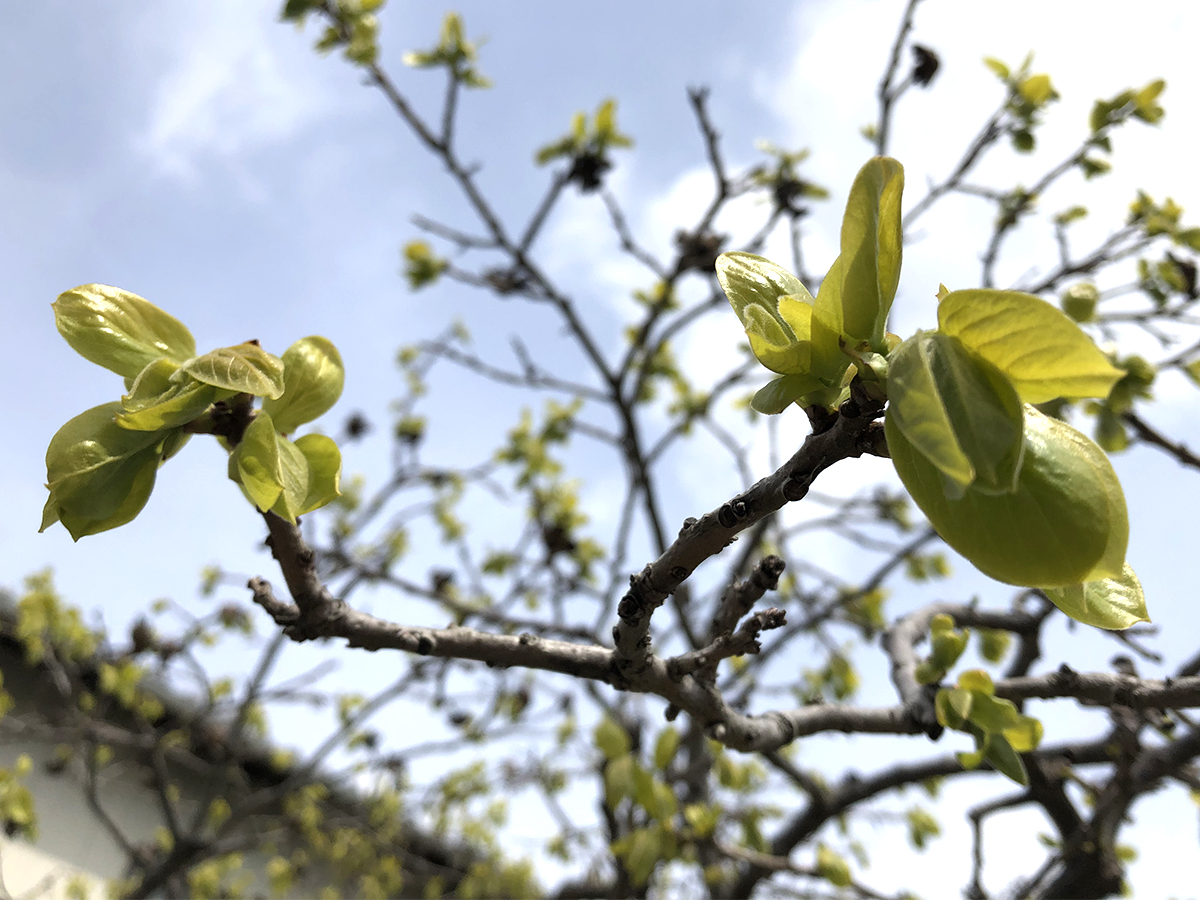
<point x="1025" y="497"/>
<point x="587" y="146"/>
<point x="354" y="26"/>
<point x="453" y="52"/>
<point x="101" y="466"/>
<point x="999" y="730"/>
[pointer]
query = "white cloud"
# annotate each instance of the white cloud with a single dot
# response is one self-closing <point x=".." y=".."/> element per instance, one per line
<point x="236" y="84"/>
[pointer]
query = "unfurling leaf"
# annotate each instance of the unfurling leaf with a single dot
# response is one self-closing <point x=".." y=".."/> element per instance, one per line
<point x="254" y="463"/>
<point x="421" y="265"/>
<point x="947" y="646"/>
<point x="245" y="368"/>
<point x="313" y="378"/>
<point x="871" y="250"/>
<point x="755" y="287"/>
<point x="1079" y="301"/>
<point x="807" y="339"/>
<point x="777" y="395"/>
<point x="272" y="470"/>
<point x="324" y="470"/>
<point x="998" y="727"/>
<point x="119" y="330"/>
<point x="159" y="400"/>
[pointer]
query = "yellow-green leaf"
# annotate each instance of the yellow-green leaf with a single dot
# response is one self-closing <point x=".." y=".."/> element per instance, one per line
<point x="158" y="400"/>
<point x="952" y="706"/>
<point x="619" y="779"/>
<point x="829" y="363"/>
<point x="1039" y="348"/>
<point x="832" y="867"/>
<point x="1112" y="603"/>
<point x="610" y="738"/>
<point x="978" y="681"/>
<point x="1000" y="753"/>
<point x="666" y="746"/>
<point x="992" y="714"/>
<point x="871" y="249"/>
<point x="244" y="368"/>
<point x="777" y="395"/>
<point x="1025" y="735"/>
<point x="118" y="330"/>
<point x="959" y="411"/>
<point x="324" y="470"/>
<point x="256" y="464"/>
<point x="1066" y="523"/>
<point x="99" y="474"/>
<point x="313" y="377"/>
<point x="774" y="307"/>
<point x="294" y="477"/>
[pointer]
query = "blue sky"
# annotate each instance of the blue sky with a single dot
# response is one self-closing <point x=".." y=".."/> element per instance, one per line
<point x="201" y="155"/>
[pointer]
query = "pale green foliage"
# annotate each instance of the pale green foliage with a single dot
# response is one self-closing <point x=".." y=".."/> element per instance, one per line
<point x="1000" y="731"/>
<point x="1026" y="498"/>
<point x="1113" y="603"/>
<point x="832" y="866"/>
<point x="802" y="337"/>
<point x="453" y="52"/>
<point x="421" y="266"/>
<point x="354" y="28"/>
<point x="244" y="369"/>
<point x="1065" y="523"/>
<point x="119" y="330"/>
<point x="44" y="620"/>
<point x="922" y="827"/>
<point x="101" y="466"/>
<point x="588" y="139"/>
<point x="312" y="383"/>
<point x="947" y="646"/>
<point x="587" y="148"/>
<point x="1028" y="95"/>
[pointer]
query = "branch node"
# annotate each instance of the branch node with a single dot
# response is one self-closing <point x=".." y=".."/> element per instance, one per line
<point x="795" y="489"/>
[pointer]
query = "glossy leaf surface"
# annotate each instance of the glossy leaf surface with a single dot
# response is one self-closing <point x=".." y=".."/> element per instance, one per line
<point x="157" y="401"/>
<point x="871" y="249"/>
<point x="774" y="307"/>
<point x="750" y="280"/>
<point x="271" y="469"/>
<point x="118" y="330"/>
<point x="313" y="378"/>
<point x="958" y="411"/>
<point x="1066" y="523"/>
<point x="294" y="476"/>
<point x="1112" y="603"/>
<point x="782" y="392"/>
<point x="255" y="462"/>
<point x="136" y="494"/>
<point x="828" y="360"/>
<point x="93" y="469"/>
<point x="244" y="368"/>
<point x="1041" y="350"/>
<point x="324" y="470"/>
